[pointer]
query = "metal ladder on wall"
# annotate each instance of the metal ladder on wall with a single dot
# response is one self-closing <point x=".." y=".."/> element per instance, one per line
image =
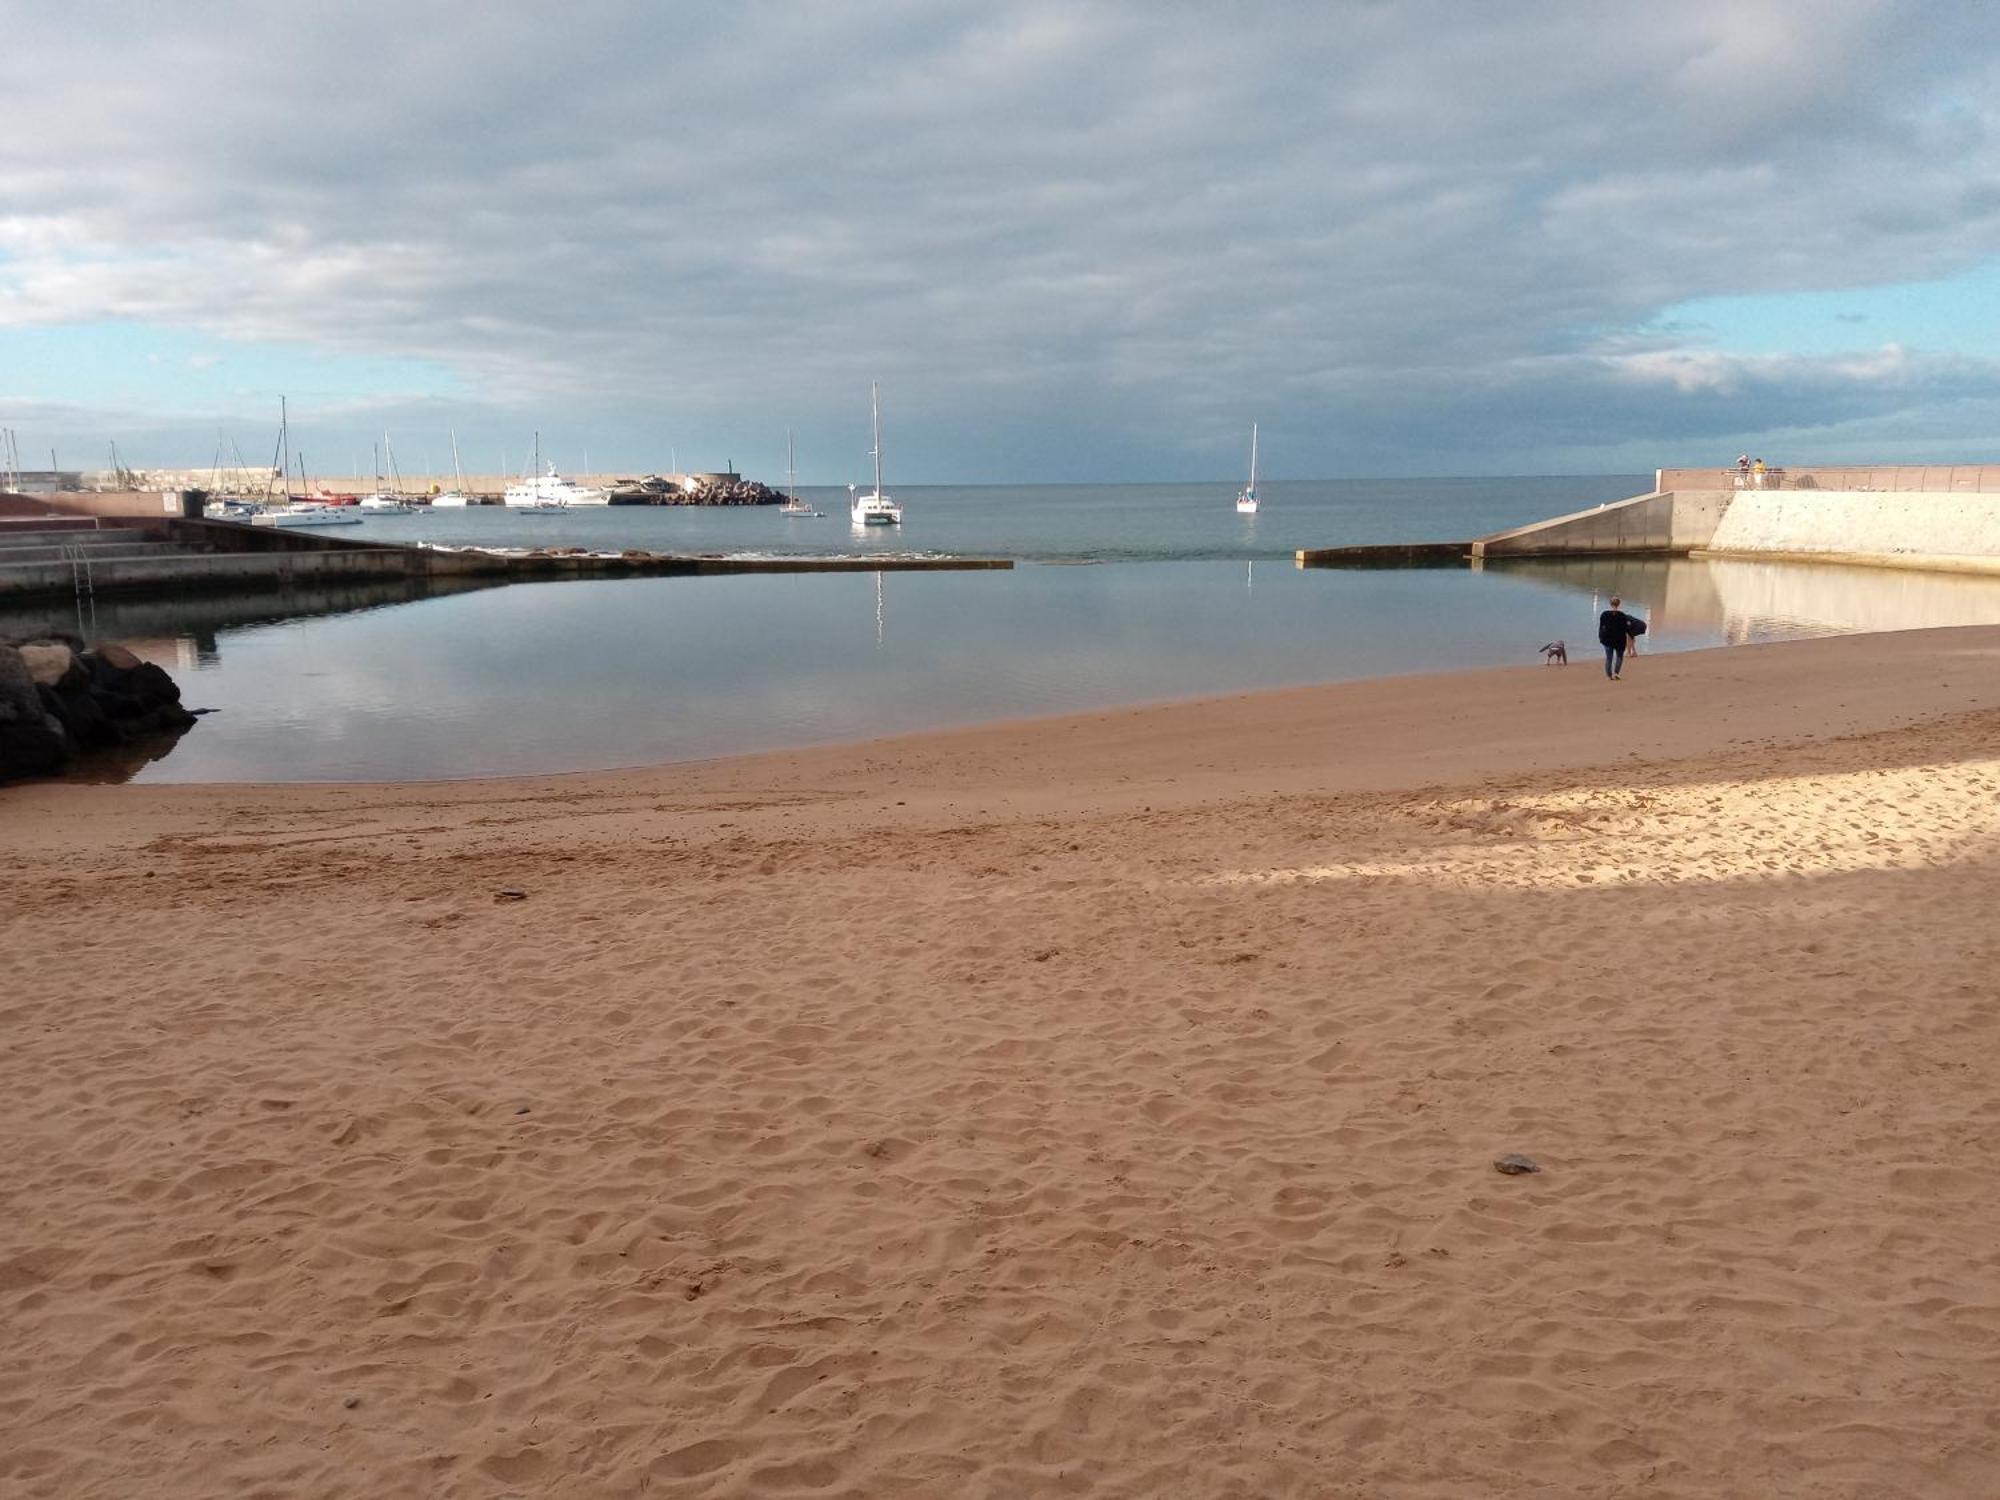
<point x="84" y="582"/>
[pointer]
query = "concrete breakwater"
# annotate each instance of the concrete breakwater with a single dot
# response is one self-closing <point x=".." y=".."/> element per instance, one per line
<point x="1794" y="515"/>
<point x="65" y="559"/>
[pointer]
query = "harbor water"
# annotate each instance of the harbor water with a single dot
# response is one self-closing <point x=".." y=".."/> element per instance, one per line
<point x="402" y="681"/>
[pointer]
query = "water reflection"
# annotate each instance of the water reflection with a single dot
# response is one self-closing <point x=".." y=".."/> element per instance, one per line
<point x="396" y="681"/>
<point x="1734" y="602"/>
<point x="184" y="632"/>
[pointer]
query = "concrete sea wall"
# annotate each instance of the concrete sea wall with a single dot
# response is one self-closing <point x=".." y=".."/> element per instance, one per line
<point x="1956" y="530"/>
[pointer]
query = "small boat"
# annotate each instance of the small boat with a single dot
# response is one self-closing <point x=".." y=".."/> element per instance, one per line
<point x="1246" y="498"/>
<point x="874" y="508"/>
<point x="793" y="505"/>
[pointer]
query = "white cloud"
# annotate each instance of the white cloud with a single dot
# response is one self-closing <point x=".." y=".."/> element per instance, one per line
<point x="1116" y="229"/>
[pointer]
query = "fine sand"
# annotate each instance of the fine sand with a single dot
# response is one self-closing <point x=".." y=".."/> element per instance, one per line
<point x="1105" y="1106"/>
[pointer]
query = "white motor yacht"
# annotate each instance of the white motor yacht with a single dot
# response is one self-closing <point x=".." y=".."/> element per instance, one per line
<point x="550" y="490"/>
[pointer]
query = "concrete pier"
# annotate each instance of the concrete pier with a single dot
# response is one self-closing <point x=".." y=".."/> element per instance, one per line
<point x="60" y="560"/>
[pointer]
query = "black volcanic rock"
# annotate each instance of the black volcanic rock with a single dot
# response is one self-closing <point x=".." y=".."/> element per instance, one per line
<point x="89" y="700"/>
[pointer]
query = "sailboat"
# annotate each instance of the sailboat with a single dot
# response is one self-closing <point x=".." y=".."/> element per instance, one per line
<point x="455" y="497"/>
<point x="1246" y="498"/>
<point x="387" y="500"/>
<point x="793" y="505"/>
<point x="875" y="508"/>
<point x="295" y="512"/>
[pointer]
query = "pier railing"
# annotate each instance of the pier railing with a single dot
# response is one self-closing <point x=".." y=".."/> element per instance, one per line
<point x="1929" y="478"/>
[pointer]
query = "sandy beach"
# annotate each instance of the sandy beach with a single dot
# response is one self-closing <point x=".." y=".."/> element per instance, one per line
<point x="1099" y="1106"/>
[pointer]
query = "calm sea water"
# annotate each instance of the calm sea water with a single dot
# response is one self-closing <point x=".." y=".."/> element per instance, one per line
<point x="1101" y="522"/>
<point x="398" y="681"/>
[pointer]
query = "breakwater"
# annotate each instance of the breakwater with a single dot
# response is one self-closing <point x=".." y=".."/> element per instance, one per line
<point x="1793" y="515"/>
<point x="178" y="555"/>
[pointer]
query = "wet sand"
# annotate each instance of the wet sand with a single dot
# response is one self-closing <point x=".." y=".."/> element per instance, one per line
<point x="1096" y="1106"/>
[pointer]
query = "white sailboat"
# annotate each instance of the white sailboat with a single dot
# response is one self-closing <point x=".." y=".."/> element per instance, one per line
<point x="875" y="508"/>
<point x="455" y="497"/>
<point x="1246" y="498"/>
<point x="793" y="505"/>
<point x="388" y="499"/>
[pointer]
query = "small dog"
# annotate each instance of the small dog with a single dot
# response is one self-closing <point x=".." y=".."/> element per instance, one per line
<point x="1555" y="654"/>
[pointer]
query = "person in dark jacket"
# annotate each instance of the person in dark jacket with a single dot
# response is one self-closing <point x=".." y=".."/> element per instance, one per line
<point x="1615" y="631"/>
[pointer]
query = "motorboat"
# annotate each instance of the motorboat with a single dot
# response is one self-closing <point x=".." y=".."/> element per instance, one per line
<point x="874" y="508"/>
<point x="385" y="504"/>
<point x="549" y="490"/>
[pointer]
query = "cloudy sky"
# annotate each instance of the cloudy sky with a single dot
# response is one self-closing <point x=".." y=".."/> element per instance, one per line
<point x="1079" y="241"/>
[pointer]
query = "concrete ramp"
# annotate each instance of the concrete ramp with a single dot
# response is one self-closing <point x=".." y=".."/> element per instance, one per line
<point x="1666" y="521"/>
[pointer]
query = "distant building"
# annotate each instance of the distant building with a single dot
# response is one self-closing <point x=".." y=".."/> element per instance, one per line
<point x="42" y="481"/>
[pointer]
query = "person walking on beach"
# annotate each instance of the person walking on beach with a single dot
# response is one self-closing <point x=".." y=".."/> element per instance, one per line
<point x="1615" y="631"/>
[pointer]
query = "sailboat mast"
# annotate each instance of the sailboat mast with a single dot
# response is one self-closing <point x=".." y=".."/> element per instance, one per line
<point x="875" y="406"/>
<point x="1253" y="455"/>
<point x="285" y="442"/>
<point x="791" y="469"/>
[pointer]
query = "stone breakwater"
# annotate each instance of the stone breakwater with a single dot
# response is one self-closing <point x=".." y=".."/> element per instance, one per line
<point x="58" y="700"/>
<point x="656" y="491"/>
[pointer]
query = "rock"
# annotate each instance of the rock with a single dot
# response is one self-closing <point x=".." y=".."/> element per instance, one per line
<point x="82" y="717"/>
<point x="37" y="748"/>
<point x="19" y="702"/>
<point x="1515" y="1165"/>
<point x="47" y="663"/>
<point x="57" y="699"/>
<point x="151" y="685"/>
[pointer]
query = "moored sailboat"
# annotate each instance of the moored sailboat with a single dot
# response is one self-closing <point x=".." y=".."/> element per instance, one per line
<point x="793" y="505"/>
<point x="874" y="508"/>
<point x="455" y="497"/>
<point x="1246" y="498"/>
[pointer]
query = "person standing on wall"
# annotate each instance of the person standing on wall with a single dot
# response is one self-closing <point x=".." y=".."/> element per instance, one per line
<point x="1615" y="631"/>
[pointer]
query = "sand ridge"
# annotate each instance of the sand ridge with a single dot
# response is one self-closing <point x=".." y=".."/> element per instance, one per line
<point x="1132" y="1141"/>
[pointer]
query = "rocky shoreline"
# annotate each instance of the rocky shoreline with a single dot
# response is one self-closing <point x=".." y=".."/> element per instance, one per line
<point x="59" y="700"/>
